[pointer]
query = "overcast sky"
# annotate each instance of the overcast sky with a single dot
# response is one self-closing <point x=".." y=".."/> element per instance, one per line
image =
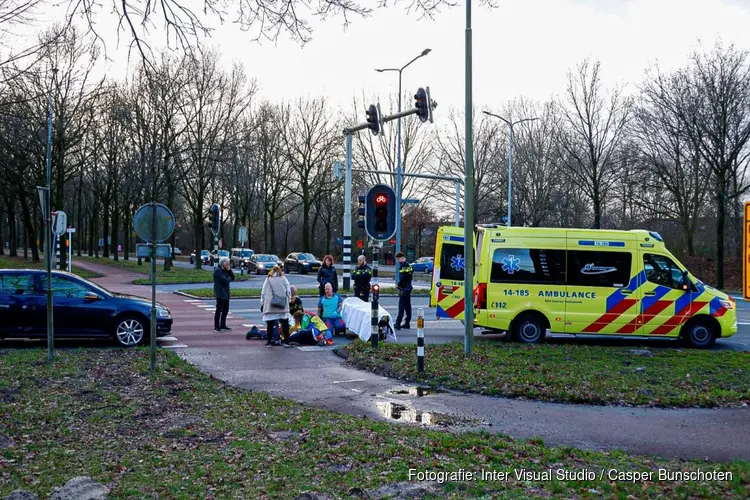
<point x="523" y="47"/>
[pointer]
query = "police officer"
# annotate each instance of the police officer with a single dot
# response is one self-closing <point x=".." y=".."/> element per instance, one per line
<point x="362" y="275"/>
<point x="403" y="283"/>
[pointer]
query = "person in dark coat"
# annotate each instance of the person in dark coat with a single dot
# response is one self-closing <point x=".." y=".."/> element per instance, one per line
<point x="327" y="274"/>
<point x="405" y="287"/>
<point x="223" y="276"/>
<point x="362" y="275"/>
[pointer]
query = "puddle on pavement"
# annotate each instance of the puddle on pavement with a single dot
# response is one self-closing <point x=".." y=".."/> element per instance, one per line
<point x="402" y="413"/>
<point x="416" y="391"/>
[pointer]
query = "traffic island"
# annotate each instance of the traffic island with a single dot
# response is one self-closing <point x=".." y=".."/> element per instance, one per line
<point x="653" y="377"/>
<point x="182" y="433"/>
<point x="174" y="276"/>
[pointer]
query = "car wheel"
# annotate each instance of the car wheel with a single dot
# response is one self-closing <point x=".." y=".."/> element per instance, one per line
<point x="130" y="331"/>
<point x="300" y="269"/>
<point x="700" y="333"/>
<point x="529" y="329"/>
<point x="427" y="270"/>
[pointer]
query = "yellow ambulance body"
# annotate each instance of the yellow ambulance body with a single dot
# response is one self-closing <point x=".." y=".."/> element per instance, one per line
<point x="534" y="281"/>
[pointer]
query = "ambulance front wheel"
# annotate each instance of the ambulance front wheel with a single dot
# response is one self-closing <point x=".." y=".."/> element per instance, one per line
<point x="700" y="333"/>
<point x="529" y="328"/>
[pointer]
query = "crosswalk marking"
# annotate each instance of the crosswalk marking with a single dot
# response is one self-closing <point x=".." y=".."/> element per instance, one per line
<point x="174" y="346"/>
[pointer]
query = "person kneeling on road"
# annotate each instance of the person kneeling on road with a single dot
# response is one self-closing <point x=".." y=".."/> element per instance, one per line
<point x="329" y="309"/>
<point x="296" y="311"/>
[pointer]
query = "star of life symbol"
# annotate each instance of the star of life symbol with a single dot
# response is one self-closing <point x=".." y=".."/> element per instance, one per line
<point x="457" y="262"/>
<point x="511" y="264"/>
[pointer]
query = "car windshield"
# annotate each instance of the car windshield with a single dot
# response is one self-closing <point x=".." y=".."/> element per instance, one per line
<point x="223" y="253"/>
<point x="204" y="252"/>
<point x="305" y="256"/>
<point x="246" y="253"/>
<point x="266" y="258"/>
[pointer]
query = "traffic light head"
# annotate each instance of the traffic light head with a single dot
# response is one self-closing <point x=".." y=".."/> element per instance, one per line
<point x="215" y="218"/>
<point x="424" y="105"/>
<point x="380" y="212"/>
<point x="374" y="120"/>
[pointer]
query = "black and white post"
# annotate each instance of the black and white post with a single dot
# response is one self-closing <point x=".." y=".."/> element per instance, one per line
<point x="374" y="330"/>
<point x="420" y="340"/>
<point x="58" y="259"/>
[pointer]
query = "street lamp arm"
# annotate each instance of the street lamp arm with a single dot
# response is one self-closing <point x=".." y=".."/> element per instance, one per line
<point x="383" y="70"/>
<point x="525" y="120"/>
<point x="499" y="117"/>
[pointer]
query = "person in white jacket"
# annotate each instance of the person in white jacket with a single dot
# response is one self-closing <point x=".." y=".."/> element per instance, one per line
<point x="274" y="304"/>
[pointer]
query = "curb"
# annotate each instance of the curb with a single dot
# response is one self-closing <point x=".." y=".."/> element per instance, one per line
<point x="341" y="352"/>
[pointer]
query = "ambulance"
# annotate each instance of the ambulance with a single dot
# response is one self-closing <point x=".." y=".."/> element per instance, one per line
<point x="530" y="282"/>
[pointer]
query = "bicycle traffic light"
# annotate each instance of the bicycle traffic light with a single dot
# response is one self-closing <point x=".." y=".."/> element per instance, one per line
<point x="380" y="212"/>
<point x="215" y="218"/>
<point x="361" y="212"/>
<point x="374" y="119"/>
<point x="423" y="103"/>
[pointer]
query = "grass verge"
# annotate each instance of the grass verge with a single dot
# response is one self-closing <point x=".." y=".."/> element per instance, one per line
<point x="255" y="292"/>
<point x="572" y="373"/>
<point x="183" y="434"/>
<point x="175" y="276"/>
<point x="7" y="262"/>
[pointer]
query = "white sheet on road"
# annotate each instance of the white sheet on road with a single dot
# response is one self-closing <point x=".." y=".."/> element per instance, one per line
<point x="357" y="316"/>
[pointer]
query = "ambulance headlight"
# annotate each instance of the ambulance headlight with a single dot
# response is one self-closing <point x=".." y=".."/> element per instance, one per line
<point x="727" y="304"/>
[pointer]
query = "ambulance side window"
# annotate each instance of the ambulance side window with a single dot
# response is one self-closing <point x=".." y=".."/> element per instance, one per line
<point x="662" y="271"/>
<point x="606" y="269"/>
<point x="452" y="262"/>
<point x="522" y="265"/>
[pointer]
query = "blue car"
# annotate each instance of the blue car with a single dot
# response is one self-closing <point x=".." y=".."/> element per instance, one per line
<point x="423" y="265"/>
<point x="82" y="309"/>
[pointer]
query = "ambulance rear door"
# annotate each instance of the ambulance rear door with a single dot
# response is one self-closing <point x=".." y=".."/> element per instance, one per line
<point x="447" y="293"/>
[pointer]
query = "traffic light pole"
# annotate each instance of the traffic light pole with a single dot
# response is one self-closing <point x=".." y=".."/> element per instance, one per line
<point x="375" y="309"/>
<point x="348" y="215"/>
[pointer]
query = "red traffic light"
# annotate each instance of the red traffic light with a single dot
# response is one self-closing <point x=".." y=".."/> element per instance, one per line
<point x="376" y="288"/>
<point x="359" y="244"/>
<point x="381" y="199"/>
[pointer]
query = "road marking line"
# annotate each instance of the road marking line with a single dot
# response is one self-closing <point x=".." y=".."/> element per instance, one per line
<point x="166" y="338"/>
<point x="192" y="301"/>
<point x="249" y="326"/>
<point x="174" y="346"/>
<point x="743" y="323"/>
<point x="348" y="381"/>
<point x="315" y="348"/>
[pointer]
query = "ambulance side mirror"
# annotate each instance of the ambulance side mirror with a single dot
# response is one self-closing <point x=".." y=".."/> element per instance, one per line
<point x="685" y="281"/>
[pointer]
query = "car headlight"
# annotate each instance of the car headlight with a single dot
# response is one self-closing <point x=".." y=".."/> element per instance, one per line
<point x="162" y="312"/>
<point x="727" y="304"/>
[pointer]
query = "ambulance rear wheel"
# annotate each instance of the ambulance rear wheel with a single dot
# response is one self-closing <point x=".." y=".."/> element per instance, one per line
<point x="700" y="333"/>
<point x="529" y="329"/>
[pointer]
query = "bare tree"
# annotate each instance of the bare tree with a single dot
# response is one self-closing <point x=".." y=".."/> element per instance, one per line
<point x="716" y="120"/>
<point x="535" y="162"/>
<point x="212" y="106"/>
<point x="594" y="128"/>
<point x="489" y="175"/>
<point x="677" y="172"/>
<point x="312" y="139"/>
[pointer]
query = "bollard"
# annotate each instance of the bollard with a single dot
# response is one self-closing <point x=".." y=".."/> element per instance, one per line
<point x="420" y="340"/>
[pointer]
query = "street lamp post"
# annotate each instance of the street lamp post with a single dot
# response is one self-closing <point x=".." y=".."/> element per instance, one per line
<point x="399" y="171"/>
<point x="510" y="157"/>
